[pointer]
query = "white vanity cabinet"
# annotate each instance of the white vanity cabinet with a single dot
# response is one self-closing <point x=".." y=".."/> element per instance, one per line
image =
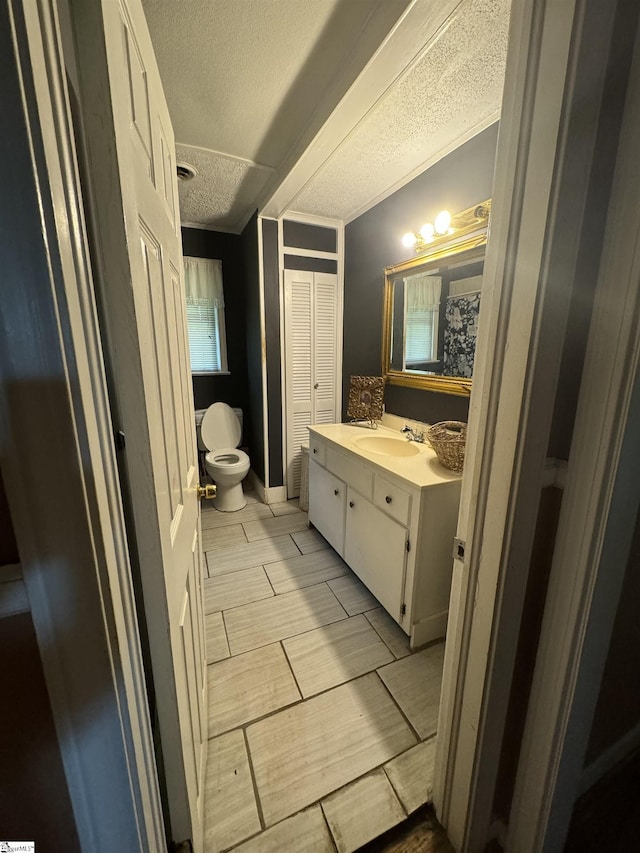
<point x="392" y="520"/>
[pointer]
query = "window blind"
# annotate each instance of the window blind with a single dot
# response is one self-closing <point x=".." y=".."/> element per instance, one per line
<point x="205" y="315"/>
<point x="422" y="305"/>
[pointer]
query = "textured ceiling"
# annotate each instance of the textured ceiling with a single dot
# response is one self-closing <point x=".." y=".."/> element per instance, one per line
<point x="251" y="84"/>
<point x="452" y="91"/>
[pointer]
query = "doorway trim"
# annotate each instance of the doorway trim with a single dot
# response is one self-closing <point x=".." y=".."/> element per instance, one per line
<point x="539" y="205"/>
<point x="338" y="256"/>
<point x="599" y="512"/>
<point x="58" y="456"/>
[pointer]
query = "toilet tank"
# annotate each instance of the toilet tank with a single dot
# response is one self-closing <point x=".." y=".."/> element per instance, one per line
<point x="199" y="413"/>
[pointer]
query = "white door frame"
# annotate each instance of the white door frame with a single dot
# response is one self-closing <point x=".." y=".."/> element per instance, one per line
<point x="599" y="511"/>
<point x="539" y="203"/>
<point x="93" y="649"/>
<point x="338" y="256"/>
<point x="58" y="458"/>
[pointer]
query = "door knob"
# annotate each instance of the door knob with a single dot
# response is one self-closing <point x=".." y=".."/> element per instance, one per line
<point x="316" y="385"/>
<point x="207" y="492"/>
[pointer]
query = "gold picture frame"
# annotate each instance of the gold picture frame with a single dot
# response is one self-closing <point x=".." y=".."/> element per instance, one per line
<point x="366" y="396"/>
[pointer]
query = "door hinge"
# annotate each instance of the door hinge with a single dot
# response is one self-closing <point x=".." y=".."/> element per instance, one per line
<point x="458" y="549"/>
<point x="120" y="440"/>
<point x="403" y="609"/>
<point x="408" y="545"/>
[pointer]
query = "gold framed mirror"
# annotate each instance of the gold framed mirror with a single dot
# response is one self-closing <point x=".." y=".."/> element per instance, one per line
<point x="431" y="308"/>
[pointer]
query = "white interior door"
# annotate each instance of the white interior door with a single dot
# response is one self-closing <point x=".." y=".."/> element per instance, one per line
<point x="142" y="295"/>
<point x="310" y="320"/>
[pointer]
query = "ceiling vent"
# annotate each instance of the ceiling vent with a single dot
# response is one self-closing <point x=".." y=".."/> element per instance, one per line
<point x="185" y="171"/>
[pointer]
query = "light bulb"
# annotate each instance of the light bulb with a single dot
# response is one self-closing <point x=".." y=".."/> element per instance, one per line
<point x="409" y="239"/>
<point x="443" y="221"/>
<point x="426" y="232"/>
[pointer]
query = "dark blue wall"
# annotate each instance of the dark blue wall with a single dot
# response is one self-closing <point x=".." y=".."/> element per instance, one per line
<point x="373" y="241"/>
<point x="230" y="389"/>
<point x="273" y="351"/>
<point x="250" y="326"/>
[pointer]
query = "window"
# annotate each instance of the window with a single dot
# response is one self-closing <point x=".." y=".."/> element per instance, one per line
<point x="422" y="306"/>
<point x="205" y="315"/>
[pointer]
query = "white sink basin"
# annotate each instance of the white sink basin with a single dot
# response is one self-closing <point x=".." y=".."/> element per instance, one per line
<point x="387" y="446"/>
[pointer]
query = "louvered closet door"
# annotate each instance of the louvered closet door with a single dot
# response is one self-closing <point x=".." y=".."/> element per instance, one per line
<point x="311" y="358"/>
<point x="324" y="356"/>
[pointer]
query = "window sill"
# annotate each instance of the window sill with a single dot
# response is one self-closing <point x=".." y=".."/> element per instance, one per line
<point x="211" y="373"/>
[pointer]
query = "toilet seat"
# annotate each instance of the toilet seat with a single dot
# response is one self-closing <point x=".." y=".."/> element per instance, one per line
<point x="220" y="428"/>
<point x="228" y="458"/>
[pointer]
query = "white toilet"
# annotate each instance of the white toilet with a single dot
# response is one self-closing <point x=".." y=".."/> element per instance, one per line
<point x="220" y="432"/>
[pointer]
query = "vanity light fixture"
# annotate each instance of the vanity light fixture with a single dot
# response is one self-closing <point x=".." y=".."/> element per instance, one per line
<point x="429" y="232"/>
<point x="446" y="227"/>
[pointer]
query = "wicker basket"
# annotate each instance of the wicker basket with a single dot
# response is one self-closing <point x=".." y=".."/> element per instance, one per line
<point x="448" y="439"/>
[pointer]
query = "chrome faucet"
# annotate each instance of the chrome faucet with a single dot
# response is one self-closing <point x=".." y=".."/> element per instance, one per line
<point x="413" y="434"/>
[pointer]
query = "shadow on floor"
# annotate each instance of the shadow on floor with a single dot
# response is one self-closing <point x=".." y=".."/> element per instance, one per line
<point x="420" y="833"/>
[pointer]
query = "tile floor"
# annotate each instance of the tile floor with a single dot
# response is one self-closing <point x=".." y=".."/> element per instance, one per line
<point x="321" y="721"/>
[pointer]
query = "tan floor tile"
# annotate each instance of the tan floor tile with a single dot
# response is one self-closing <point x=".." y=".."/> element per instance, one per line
<point x="214" y="538"/>
<point x="305" y="832"/>
<point x="286" y="507"/>
<point x="309" y="541"/>
<point x="390" y="631"/>
<point x="334" y="654"/>
<point x="235" y="588"/>
<point x="269" y="527"/>
<point x="212" y="517"/>
<point x="411" y="775"/>
<point x="414" y="682"/>
<point x="216" y="637"/>
<point x="306" y="570"/>
<point x="303" y="753"/>
<point x="353" y="595"/>
<point x="231" y="814"/>
<point x="264" y="622"/>
<point x="362" y="811"/>
<point x="245" y="556"/>
<point x="247" y="687"/>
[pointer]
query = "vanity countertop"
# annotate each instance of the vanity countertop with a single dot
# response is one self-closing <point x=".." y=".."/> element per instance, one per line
<point x="421" y="470"/>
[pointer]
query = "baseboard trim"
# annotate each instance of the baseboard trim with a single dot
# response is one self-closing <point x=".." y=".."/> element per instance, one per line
<point x="274" y="495"/>
<point x="609" y="759"/>
<point x="429" y="629"/>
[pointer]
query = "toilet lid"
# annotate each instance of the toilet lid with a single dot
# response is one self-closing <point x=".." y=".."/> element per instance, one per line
<point x="220" y="427"/>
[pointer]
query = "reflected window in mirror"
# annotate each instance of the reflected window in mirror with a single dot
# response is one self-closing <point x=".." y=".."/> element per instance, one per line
<point x="432" y="308"/>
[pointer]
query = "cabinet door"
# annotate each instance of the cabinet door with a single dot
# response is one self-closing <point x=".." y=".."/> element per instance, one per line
<point x="327" y="498"/>
<point x="376" y="550"/>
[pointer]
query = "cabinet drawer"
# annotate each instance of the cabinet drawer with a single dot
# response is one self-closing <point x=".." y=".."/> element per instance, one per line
<point x="392" y="499"/>
<point x="317" y="450"/>
<point x="349" y="469"/>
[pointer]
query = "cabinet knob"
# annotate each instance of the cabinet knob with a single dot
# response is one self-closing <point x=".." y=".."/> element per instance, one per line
<point x="388" y="499"/>
<point x="336" y="491"/>
<point x="316" y="385"/>
<point x="351" y="504"/>
<point x="315" y="449"/>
